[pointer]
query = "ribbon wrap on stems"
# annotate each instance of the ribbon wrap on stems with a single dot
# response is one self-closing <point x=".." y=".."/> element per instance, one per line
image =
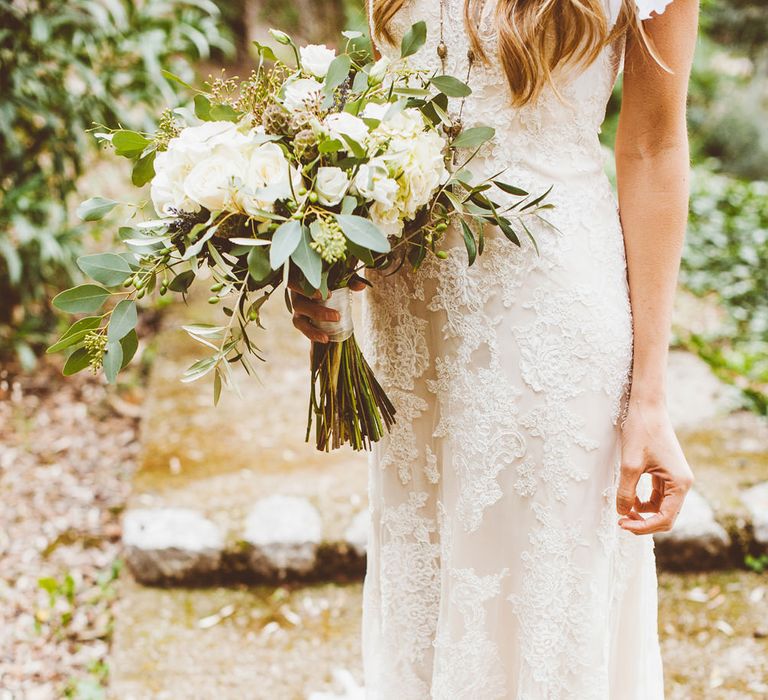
<point x="347" y="404"/>
<point x="341" y="301"/>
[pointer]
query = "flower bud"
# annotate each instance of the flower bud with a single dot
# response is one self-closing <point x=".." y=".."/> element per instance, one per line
<point x="280" y="37"/>
<point x="442" y="254"/>
<point x="213" y="300"/>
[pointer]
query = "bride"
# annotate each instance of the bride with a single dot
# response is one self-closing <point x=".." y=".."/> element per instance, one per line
<point x="508" y="553"/>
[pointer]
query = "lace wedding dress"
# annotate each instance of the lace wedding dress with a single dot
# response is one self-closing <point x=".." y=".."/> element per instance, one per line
<point x="496" y="568"/>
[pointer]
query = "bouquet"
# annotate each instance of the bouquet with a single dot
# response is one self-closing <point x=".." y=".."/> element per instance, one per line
<point x="310" y="170"/>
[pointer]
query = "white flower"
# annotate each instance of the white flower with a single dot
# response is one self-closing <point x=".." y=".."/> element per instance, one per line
<point x="375" y="110"/>
<point x="184" y="152"/>
<point x="344" y="124"/>
<point x="423" y="171"/>
<point x="331" y="185"/>
<point x="212" y="181"/>
<point x="300" y="92"/>
<point x="387" y="218"/>
<point x="316" y="59"/>
<point x="373" y="182"/>
<point x="378" y="71"/>
<point x="267" y="176"/>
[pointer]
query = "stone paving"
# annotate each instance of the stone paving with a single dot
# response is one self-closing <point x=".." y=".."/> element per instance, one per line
<point x="233" y="493"/>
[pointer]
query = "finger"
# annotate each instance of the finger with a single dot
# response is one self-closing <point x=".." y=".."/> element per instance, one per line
<point x="652" y="505"/>
<point x="295" y="287"/>
<point x="357" y="284"/>
<point x="303" y="324"/>
<point x="627" y="490"/>
<point x="658" y="522"/>
<point x="317" y="312"/>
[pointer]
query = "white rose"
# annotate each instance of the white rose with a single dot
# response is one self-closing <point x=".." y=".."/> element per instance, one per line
<point x="405" y="124"/>
<point x="167" y="187"/>
<point x="172" y="166"/>
<point x="212" y="183"/>
<point x="331" y="185"/>
<point x="373" y="182"/>
<point x="301" y="91"/>
<point x="387" y="219"/>
<point x="267" y="177"/>
<point x="344" y="124"/>
<point x="316" y="59"/>
<point x="423" y="170"/>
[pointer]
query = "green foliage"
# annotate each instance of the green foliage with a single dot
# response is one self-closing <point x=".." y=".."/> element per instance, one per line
<point x="758" y="564"/>
<point x="63" y="68"/>
<point x="726" y="257"/>
<point x="727" y="103"/>
<point x="738" y="23"/>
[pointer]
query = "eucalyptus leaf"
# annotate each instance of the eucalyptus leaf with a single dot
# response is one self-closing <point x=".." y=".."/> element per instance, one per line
<point x="75" y="333"/>
<point x="113" y="360"/>
<point x="258" y="264"/>
<point x="307" y="259"/>
<point x="337" y="73"/>
<point x="474" y="137"/>
<point x="284" y="242"/>
<point x="363" y="232"/>
<point x="85" y="298"/>
<point x="130" y="344"/>
<point x="76" y="362"/>
<point x="123" y="320"/>
<point x="109" y="269"/>
<point x="413" y="39"/>
<point x="453" y="87"/>
<point x="95" y="208"/>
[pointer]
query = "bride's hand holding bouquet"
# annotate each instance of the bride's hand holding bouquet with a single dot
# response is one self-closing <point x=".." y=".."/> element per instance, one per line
<point x="303" y="174"/>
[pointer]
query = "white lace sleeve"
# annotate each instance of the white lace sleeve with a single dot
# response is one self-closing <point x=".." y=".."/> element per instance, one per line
<point x="645" y="7"/>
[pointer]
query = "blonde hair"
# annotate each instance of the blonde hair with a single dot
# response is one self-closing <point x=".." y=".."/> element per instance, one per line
<point x="536" y="38"/>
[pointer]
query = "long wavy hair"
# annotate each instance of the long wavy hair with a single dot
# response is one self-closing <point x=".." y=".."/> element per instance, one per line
<point x="536" y="38"/>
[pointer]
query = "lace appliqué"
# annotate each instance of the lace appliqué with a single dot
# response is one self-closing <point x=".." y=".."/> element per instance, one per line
<point x="410" y="588"/>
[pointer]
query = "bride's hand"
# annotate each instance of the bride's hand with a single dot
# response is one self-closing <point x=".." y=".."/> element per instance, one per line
<point x="307" y="309"/>
<point x="649" y="445"/>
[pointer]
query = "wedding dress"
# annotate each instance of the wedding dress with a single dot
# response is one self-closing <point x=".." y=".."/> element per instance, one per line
<point x="496" y="568"/>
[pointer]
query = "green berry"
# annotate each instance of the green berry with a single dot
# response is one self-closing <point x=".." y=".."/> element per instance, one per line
<point x="442" y="254"/>
<point x="313" y="197"/>
<point x="217" y="287"/>
<point x="213" y="300"/>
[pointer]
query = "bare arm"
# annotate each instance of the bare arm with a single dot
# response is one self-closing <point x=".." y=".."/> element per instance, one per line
<point x="652" y="165"/>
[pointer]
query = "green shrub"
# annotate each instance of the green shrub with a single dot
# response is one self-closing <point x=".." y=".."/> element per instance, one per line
<point x="65" y="66"/>
<point x="726" y="257"/>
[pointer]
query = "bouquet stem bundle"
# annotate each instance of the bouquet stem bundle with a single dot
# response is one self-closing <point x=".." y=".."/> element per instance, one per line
<point x="346" y="401"/>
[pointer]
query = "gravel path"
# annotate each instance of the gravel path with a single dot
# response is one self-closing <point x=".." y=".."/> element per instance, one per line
<point x="67" y="453"/>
